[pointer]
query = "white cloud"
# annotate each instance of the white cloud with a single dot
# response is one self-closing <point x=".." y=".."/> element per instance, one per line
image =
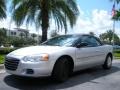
<point x="99" y="22"/>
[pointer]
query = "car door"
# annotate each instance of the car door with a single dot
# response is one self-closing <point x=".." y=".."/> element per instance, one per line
<point x="99" y="55"/>
<point x="89" y="55"/>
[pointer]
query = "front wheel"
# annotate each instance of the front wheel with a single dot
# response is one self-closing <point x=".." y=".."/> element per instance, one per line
<point x="108" y="62"/>
<point x="61" y="70"/>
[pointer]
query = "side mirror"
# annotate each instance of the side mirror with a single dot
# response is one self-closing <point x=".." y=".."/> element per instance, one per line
<point x="82" y="45"/>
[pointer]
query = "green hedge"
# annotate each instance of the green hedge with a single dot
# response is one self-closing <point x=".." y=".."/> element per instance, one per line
<point x="6" y="50"/>
<point x="116" y="51"/>
<point x="2" y="57"/>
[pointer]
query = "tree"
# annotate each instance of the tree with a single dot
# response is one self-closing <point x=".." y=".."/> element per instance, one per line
<point x="26" y="34"/>
<point x="2" y="35"/>
<point x="2" y="32"/>
<point x="2" y="9"/>
<point x="117" y="12"/>
<point x="108" y="37"/>
<point x="33" y="36"/>
<point x="41" y="11"/>
<point x="22" y="42"/>
<point x="116" y="1"/>
<point x="117" y="15"/>
<point x="22" y="35"/>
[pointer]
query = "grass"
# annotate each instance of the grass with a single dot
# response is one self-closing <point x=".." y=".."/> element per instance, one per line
<point x="117" y="55"/>
<point x="2" y="57"/>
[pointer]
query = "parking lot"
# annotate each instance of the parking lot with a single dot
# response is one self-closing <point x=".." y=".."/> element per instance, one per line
<point x="91" y="79"/>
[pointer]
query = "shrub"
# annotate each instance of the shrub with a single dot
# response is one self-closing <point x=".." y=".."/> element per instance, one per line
<point x="2" y="57"/>
<point x="6" y="50"/>
<point x="116" y="51"/>
<point x="21" y="42"/>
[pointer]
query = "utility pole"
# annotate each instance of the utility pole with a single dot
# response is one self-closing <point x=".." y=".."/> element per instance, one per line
<point x="113" y="14"/>
<point x="113" y="37"/>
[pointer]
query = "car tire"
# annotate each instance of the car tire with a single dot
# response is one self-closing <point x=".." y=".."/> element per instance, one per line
<point x="61" y="70"/>
<point x="108" y="62"/>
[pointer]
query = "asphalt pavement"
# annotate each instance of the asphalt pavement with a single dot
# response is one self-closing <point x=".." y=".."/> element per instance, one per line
<point x="90" y="79"/>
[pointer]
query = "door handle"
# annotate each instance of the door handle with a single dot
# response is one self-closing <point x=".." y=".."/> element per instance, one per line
<point x="97" y="50"/>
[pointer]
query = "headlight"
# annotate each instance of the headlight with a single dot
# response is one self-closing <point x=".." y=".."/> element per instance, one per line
<point x="36" y="58"/>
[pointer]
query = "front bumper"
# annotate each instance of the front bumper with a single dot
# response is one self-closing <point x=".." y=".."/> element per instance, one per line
<point x="29" y="69"/>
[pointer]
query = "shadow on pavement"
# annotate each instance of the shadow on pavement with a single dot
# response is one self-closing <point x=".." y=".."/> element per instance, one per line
<point x="48" y="84"/>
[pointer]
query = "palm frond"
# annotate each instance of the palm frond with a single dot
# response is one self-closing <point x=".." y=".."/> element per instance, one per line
<point x="117" y="1"/>
<point x="2" y="9"/>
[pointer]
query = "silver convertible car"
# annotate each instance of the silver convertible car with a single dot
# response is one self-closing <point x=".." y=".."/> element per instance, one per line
<point x="59" y="57"/>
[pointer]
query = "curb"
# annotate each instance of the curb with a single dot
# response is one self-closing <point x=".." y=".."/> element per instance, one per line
<point x="1" y="66"/>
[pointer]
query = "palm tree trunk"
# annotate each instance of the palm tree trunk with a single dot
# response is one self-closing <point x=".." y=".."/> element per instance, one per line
<point x="45" y="20"/>
<point x="44" y="35"/>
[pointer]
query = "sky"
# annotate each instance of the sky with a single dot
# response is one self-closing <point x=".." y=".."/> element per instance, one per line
<point x="95" y="16"/>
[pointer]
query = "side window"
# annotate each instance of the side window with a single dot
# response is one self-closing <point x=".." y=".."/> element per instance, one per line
<point x="94" y="42"/>
<point x="91" y="41"/>
<point x="83" y="39"/>
<point x="86" y="39"/>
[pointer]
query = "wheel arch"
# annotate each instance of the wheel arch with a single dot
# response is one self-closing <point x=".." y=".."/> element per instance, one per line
<point x="106" y="65"/>
<point x="110" y="54"/>
<point x="69" y="58"/>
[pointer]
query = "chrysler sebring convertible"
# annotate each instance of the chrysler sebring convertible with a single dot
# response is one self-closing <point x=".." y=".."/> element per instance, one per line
<point x="59" y="57"/>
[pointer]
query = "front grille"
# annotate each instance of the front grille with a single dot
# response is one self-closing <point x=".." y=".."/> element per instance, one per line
<point x="11" y="63"/>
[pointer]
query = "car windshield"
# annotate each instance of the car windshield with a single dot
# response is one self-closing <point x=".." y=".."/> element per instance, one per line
<point x="66" y="40"/>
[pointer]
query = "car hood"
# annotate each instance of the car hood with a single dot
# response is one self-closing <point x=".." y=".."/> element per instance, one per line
<point x="35" y="50"/>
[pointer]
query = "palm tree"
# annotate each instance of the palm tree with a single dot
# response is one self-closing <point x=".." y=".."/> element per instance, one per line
<point x="2" y="9"/>
<point x="116" y="1"/>
<point x="41" y="11"/>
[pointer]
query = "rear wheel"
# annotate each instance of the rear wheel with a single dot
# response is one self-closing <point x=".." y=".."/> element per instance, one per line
<point x="108" y="62"/>
<point x="61" y="70"/>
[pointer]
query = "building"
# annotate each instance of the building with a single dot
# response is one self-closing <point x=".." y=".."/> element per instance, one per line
<point x="22" y="33"/>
